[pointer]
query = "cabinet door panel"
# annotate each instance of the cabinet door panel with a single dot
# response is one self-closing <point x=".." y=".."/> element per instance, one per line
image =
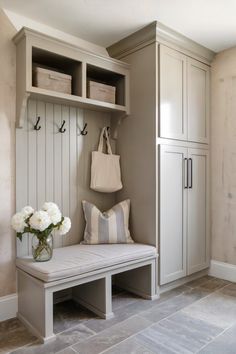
<point x="198" y="211"/>
<point x="173" y="117"/>
<point x="173" y="199"/>
<point x="198" y="101"/>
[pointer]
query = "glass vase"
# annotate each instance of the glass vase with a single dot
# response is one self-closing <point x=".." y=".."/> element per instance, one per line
<point x="42" y="248"/>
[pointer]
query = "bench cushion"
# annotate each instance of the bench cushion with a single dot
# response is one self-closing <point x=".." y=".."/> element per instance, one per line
<point x="79" y="259"/>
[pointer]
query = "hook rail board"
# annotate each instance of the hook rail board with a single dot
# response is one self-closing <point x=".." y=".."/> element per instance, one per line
<point x="51" y="166"/>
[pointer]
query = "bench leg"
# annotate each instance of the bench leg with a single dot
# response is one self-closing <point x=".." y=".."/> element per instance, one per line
<point x="96" y="296"/>
<point x="35" y="306"/>
<point x="140" y="281"/>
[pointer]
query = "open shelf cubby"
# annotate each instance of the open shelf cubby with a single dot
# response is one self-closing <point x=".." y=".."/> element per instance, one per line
<point x="108" y="77"/>
<point x="52" y="61"/>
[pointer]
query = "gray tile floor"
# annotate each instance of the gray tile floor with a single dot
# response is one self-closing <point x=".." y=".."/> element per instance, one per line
<point x="199" y="317"/>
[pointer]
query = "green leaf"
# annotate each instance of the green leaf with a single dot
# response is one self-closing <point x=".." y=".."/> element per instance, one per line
<point x="19" y="235"/>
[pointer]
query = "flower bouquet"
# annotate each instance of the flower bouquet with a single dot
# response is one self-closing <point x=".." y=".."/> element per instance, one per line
<point x="41" y="223"/>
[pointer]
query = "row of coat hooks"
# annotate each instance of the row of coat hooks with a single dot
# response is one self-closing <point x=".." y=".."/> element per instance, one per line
<point x="62" y="129"/>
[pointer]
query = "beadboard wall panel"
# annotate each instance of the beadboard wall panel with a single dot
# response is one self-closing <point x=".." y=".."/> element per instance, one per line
<point x="54" y="166"/>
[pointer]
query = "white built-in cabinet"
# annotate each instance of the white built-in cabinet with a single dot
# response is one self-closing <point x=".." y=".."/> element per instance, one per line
<point x="184" y="85"/>
<point x="164" y="148"/>
<point x="184" y="211"/>
<point x="184" y="97"/>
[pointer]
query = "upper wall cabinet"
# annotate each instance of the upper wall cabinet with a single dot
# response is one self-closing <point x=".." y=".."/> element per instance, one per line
<point x="38" y="50"/>
<point x="173" y="122"/>
<point x="198" y="101"/>
<point x="184" y="97"/>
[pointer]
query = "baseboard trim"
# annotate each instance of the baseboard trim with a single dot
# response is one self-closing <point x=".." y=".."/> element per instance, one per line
<point x="223" y="270"/>
<point x="8" y="307"/>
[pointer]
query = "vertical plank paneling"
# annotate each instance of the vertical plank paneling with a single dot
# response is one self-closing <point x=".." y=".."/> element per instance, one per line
<point x="81" y="141"/>
<point x="65" y="165"/>
<point x="57" y="166"/>
<point x="22" y="180"/>
<point x="96" y="121"/>
<point x="32" y="159"/>
<point x="41" y="152"/>
<point x="73" y="182"/>
<point x="54" y="166"/>
<point x="49" y="133"/>
<point x="81" y="167"/>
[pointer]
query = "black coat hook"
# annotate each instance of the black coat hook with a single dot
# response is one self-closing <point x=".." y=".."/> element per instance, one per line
<point x="61" y="130"/>
<point x="84" y="131"/>
<point x="37" y="126"/>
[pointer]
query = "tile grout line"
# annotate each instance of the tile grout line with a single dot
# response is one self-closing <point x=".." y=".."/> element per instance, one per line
<point x="23" y="346"/>
<point x="110" y="328"/>
<point x="84" y="323"/>
<point x="133" y="335"/>
<point x="166" y="318"/>
<point x="203" y="298"/>
<point x="226" y="329"/>
<point x="181" y="308"/>
<point x="139" y="314"/>
<point x="144" y="345"/>
<point x="218" y="335"/>
<point x="97" y="333"/>
<point x="73" y="327"/>
<point x="152" y="324"/>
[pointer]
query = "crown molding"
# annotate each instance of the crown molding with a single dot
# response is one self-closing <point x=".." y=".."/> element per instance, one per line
<point x="26" y="32"/>
<point x="157" y="32"/>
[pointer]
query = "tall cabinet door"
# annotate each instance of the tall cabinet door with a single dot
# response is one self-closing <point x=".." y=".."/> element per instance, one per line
<point x="198" y="101"/>
<point x="173" y="115"/>
<point x="173" y="212"/>
<point x="198" y="210"/>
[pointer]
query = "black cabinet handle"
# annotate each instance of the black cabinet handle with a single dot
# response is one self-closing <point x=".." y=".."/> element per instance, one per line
<point x="190" y="185"/>
<point x="185" y="173"/>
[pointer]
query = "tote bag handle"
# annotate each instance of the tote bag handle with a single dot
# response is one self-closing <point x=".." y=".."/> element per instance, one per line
<point x="100" y="145"/>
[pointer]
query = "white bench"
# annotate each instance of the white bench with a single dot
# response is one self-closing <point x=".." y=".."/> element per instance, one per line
<point x="88" y="270"/>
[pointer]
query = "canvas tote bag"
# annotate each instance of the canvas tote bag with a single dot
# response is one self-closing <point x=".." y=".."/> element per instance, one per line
<point x="105" y="169"/>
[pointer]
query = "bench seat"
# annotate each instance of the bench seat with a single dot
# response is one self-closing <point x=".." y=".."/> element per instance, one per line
<point x="88" y="271"/>
<point x="79" y="259"/>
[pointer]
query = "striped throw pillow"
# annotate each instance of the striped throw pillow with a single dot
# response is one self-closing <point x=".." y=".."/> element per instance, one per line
<point x="111" y="226"/>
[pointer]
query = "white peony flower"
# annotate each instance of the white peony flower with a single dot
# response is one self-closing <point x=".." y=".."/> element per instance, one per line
<point x="18" y="222"/>
<point x="53" y="212"/>
<point x="65" y="226"/>
<point x="50" y="205"/>
<point x="27" y="211"/>
<point x="40" y="220"/>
